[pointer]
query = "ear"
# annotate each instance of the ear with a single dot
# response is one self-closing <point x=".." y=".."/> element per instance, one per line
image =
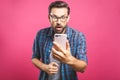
<point x="49" y="17"/>
<point x="68" y="18"/>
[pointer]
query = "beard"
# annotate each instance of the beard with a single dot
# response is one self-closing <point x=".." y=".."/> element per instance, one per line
<point x="59" y="29"/>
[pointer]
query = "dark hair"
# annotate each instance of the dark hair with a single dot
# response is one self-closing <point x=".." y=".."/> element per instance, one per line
<point x="58" y="4"/>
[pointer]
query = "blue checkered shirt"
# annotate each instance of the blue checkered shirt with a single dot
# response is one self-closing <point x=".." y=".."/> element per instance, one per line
<point x="42" y="49"/>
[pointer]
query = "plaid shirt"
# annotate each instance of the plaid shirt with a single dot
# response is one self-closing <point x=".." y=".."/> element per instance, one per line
<point x="42" y="49"/>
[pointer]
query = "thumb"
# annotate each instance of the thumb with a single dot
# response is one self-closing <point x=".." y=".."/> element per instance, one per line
<point x="54" y="64"/>
<point x="67" y="46"/>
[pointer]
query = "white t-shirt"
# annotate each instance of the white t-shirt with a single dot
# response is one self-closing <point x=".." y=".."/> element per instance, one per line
<point x="57" y="75"/>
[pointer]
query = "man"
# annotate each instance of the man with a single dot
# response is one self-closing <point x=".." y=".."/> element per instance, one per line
<point x="72" y="59"/>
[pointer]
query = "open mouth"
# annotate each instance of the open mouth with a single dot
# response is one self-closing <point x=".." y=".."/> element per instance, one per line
<point x="58" y="28"/>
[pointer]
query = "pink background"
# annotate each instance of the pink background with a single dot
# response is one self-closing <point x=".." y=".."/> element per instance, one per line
<point x="99" y="20"/>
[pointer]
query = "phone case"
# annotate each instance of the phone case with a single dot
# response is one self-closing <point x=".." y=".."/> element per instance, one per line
<point x="61" y="39"/>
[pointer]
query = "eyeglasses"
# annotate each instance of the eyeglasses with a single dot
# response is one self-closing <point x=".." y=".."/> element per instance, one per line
<point x="55" y="18"/>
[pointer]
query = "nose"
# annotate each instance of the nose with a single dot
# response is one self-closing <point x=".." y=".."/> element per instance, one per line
<point x="58" y="21"/>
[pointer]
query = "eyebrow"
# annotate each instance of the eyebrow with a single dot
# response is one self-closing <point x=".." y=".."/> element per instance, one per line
<point x="56" y="15"/>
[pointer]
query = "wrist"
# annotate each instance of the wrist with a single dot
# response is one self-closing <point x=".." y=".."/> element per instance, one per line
<point x="71" y="60"/>
<point x="44" y="67"/>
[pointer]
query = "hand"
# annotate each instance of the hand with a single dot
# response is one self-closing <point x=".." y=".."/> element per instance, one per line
<point x="61" y="54"/>
<point x="52" y="68"/>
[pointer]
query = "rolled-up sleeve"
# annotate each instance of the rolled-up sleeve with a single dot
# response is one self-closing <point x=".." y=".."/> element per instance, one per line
<point x="81" y="47"/>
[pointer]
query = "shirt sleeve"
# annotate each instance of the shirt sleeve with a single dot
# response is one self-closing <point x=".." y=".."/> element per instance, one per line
<point x="81" y="47"/>
<point x="36" y="48"/>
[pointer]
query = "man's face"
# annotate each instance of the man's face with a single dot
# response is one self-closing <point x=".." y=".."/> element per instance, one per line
<point x="58" y="19"/>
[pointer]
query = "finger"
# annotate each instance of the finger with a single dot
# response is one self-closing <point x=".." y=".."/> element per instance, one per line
<point x="67" y="45"/>
<point x="55" y="48"/>
<point x="52" y="72"/>
<point x="57" y="54"/>
<point x="54" y="64"/>
<point x="57" y="57"/>
<point x="53" y="69"/>
<point x="54" y="51"/>
<point x="58" y="47"/>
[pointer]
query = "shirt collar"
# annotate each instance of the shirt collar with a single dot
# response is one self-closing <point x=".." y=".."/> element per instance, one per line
<point x="68" y="32"/>
<point x="50" y="32"/>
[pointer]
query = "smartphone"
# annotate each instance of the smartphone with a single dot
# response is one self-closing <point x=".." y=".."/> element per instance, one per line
<point x="61" y="39"/>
